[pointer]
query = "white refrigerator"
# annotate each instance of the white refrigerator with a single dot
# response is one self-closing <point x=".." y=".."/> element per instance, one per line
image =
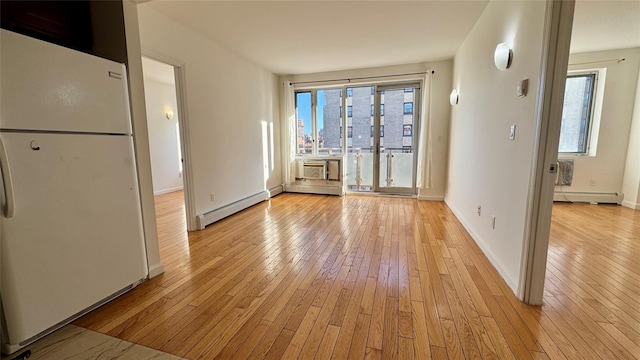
<point x="71" y="225"/>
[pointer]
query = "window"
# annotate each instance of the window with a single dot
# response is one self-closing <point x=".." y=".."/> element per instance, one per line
<point x="349" y="131"/>
<point x="381" y="130"/>
<point x="381" y="109"/>
<point x="408" y="90"/>
<point x="319" y="122"/>
<point x="407" y="130"/>
<point x="349" y="92"/>
<point x="373" y="90"/>
<point x="577" y="113"/>
<point x="407" y="149"/>
<point x="371" y="132"/>
<point x="373" y="110"/>
<point x="349" y="111"/>
<point x="408" y="108"/>
<point x="303" y="116"/>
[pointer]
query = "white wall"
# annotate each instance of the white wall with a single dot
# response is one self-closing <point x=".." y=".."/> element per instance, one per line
<point x="606" y="168"/>
<point x="631" y="180"/>
<point x="440" y="107"/>
<point x="163" y="136"/>
<point x="485" y="167"/>
<point x="230" y="101"/>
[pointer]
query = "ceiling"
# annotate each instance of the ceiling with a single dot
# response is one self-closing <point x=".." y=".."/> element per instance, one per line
<point x="605" y="25"/>
<point x="298" y="37"/>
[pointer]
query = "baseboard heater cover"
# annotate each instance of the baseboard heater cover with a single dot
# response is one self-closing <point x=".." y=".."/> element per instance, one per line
<point x="276" y="190"/>
<point x="600" y="198"/>
<point x="221" y="213"/>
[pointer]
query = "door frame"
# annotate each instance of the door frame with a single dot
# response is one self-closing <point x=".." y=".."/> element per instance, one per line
<point x="179" y="71"/>
<point x="555" y="59"/>
<point x="376" y="136"/>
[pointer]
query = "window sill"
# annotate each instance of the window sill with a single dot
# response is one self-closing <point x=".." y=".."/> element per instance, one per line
<point x="574" y="156"/>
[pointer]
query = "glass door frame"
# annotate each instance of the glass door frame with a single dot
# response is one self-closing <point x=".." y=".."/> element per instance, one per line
<point x="377" y="187"/>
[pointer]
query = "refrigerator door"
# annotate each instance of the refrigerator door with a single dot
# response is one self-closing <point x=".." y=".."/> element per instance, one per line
<point x="76" y="235"/>
<point x="51" y="88"/>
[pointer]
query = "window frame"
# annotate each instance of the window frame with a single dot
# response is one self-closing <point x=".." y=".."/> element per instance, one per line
<point x="315" y="132"/>
<point x="595" y="106"/>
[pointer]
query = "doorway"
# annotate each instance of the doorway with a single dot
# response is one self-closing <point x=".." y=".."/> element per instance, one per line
<point x="166" y="124"/>
<point x="382" y="122"/>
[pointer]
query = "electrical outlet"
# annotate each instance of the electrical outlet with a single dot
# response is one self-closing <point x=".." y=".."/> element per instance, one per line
<point x="213" y="197"/>
<point x="479" y="210"/>
<point x="493" y="222"/>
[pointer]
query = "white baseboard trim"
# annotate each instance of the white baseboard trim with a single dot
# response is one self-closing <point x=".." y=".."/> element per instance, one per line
<point x="430" y="197"/>
<point x="212" y="216"/>
<point x="512" y="283"/>
<point x="631" y="205"/>
<point x="314" y="189"/>
<point x="155" y="270"/>
<point x="276" y="190"/>
<point x="166" y="191"/>
<point x="588" y="197"/>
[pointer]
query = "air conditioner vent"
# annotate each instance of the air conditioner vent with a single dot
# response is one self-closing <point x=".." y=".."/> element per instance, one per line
<point x="314" y="170"/>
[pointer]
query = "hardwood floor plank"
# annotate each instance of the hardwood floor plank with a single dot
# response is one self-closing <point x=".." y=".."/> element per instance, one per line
<point x="312" y="276"/>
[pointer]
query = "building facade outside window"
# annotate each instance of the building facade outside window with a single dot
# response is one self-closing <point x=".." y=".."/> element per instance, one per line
<point x="578" y="112"/>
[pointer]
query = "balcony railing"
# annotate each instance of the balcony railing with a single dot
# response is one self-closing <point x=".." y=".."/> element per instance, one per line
<point x="396" y="168"/>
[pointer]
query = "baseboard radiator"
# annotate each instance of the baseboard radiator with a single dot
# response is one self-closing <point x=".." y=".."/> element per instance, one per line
<point x="588" y="197"/>
<point x="218" y="214"/>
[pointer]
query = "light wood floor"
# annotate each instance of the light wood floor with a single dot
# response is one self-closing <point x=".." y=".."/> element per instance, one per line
<point x="305" y="276"/>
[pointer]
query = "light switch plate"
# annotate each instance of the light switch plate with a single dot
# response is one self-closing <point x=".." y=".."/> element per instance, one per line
<point x="512" y="132"/>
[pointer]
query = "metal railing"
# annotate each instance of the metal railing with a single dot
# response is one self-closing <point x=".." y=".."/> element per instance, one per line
<point x="390" y="154"/>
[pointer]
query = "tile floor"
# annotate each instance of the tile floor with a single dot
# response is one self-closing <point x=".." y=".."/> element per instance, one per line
<point x="76" y="343"/>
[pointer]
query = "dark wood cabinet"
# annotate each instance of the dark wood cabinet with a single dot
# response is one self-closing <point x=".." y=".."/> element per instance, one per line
<point x="94" y="27"/>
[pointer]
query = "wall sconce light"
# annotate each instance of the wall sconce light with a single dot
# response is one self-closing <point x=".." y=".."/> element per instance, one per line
<point x="453" y="98"/>
<point x="503" y="56"/>
<point x="169" y="114"/>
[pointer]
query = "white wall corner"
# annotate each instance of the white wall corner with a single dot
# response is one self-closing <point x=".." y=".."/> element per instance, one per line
<point x="631" y="205"/>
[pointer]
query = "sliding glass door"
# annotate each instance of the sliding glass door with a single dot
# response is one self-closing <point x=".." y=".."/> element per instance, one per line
<point x="396" y="140"/>
<point x="381" y="147"/>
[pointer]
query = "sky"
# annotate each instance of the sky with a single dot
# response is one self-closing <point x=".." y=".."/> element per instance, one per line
<point x="304" y="109"/>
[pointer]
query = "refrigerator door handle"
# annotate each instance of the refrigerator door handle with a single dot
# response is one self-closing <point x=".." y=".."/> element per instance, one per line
<point x="6" y="181"/>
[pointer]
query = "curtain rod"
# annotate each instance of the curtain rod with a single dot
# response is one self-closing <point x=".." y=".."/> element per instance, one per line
<point x="601" y="61"/>
<point x="362" y="78"/>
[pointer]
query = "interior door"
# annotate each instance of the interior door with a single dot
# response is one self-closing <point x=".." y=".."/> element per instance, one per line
<point x="395" y="138"/>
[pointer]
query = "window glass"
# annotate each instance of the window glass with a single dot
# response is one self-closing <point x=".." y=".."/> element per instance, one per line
<point x="407" y="130"/>
<point x="408" y="108"/>
<point x="329" y="121"/>
<point x="576" y="113"/>
<point x="303" y="116"/>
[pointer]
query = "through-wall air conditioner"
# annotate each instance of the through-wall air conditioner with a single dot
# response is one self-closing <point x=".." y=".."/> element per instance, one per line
<point x="314" y="170"/>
